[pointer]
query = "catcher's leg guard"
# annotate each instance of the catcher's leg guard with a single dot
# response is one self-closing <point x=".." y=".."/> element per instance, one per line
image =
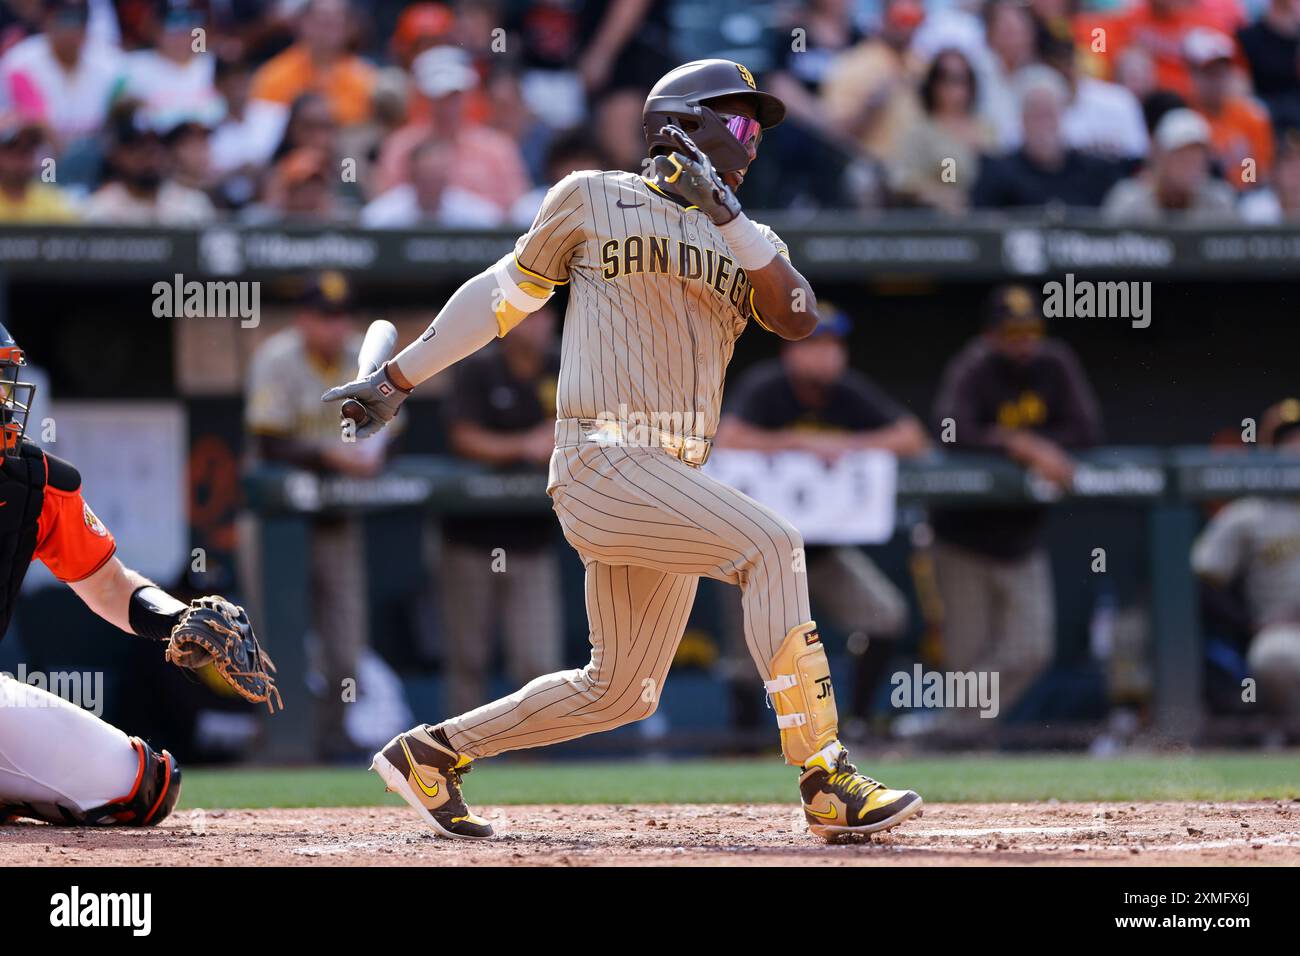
<point x="799" y="686"/>
<point x="152" y="798"/>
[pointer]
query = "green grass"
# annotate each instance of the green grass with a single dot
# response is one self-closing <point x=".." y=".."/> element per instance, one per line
<point x="970" y="779"/>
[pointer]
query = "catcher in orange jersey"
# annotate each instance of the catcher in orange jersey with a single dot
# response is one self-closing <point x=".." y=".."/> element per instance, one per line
<point x="59" y="763"/>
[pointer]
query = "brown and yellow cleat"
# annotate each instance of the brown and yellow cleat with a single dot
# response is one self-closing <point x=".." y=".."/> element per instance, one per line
<point x="420" y="768"/>
<point x="838" y="801"/>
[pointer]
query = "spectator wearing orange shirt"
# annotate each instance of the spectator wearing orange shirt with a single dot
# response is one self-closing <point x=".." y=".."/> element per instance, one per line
<point x="1157" y="27"/>
<point x="320" y="62"/>
<point x="1239" y="127"/>
<point x="488" y="162"/>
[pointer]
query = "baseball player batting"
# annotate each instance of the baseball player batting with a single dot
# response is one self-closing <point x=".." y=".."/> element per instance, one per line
<point x="665" y="271"/>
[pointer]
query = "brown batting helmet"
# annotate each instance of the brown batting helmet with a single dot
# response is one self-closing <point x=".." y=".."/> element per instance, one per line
<point x="682" y="96"/>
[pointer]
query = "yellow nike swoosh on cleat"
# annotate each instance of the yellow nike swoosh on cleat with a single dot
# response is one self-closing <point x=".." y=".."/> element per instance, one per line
<point x="830" y="814"/>
<point x="416" y="773"/>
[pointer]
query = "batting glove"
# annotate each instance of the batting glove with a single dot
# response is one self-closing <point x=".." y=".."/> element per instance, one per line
<point x="378" y="395"/>
<point x="692" y="176"/>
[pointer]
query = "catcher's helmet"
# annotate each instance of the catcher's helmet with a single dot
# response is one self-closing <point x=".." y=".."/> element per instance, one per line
<point x="681" y="97"/>
<point x="15" y="396"/>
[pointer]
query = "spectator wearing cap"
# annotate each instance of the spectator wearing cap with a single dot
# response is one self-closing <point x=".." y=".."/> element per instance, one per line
<point x="301" y="188"/>
<point x="870" y="93"/>
<point x="306" y="179"/>
<point x="420" y="26"/>
<point x="488" y="163"/>
<point x="1279" y="200"/>
<point x="173" y="82"/>
<point x="1255" y="543"/>
<point x="500" y="413"/>
<point x="23" y="196"/>
<point x="141" y="190"/>
<point x="1241" y="139"/>
<point x="1177" y="181"/>
<point x="320" y="61"/>
<point x="61" y="77"/>
<point x="1044" y="170"/>
<point x="1015" y="392"/>
<point x="1271" y="46"/>
<point x="938" y="160"/>
<point x="288" y="424"/>
<point x="429" y="197"/>
<point x="810" y="400"/>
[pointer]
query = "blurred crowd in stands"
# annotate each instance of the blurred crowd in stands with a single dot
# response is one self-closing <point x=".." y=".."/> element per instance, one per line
<point x="177" y="112"/>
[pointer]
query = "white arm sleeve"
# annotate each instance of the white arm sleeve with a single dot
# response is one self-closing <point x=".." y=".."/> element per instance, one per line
<point x="466" y="323"/>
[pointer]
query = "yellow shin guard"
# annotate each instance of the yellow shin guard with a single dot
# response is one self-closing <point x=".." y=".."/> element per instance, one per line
<point x="800" y="690"/>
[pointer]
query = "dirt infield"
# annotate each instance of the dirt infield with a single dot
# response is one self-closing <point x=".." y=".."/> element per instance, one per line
<point x="1144" y="834"/>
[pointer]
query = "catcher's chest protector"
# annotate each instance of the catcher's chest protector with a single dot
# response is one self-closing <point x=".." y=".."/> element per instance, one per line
<point x="22" y="495"/>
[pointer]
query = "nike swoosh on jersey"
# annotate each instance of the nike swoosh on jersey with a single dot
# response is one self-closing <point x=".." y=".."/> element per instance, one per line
<point x="622" y="205"/>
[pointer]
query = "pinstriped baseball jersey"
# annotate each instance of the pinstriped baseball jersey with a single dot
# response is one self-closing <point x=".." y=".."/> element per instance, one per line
<point x="655" y="309"/>
<point x="656" y="300"/>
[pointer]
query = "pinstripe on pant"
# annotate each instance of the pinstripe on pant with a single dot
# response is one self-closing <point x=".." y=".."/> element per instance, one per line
<point x="647" y="527"/>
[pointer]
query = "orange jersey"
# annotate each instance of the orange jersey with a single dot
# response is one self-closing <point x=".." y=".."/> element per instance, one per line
<point x="70" y="539"/>
<point x="1240" y="131"/>
<point x="1139" y="26"/>
<point x="346" y="84"/>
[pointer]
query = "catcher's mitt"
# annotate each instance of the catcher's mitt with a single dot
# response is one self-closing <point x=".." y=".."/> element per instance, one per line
<point x="214" y="631"/>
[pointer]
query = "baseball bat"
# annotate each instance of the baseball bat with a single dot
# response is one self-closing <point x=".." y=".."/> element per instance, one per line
<point x="376" y="348"/>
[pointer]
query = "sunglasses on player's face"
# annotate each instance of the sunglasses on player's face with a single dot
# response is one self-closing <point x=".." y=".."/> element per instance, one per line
<point x="746" y="129"/>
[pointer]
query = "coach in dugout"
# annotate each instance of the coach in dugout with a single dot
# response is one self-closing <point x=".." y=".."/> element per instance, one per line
<point x="1016" y="392"/>
<point x="1256" y="542"/>
<point x="810" y="400"/>
<point x="288" y="424"/>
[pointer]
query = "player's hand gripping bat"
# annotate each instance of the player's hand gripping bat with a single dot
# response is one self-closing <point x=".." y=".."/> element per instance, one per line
<point x="692" y="176"/>
<point x="372" y="398"/>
